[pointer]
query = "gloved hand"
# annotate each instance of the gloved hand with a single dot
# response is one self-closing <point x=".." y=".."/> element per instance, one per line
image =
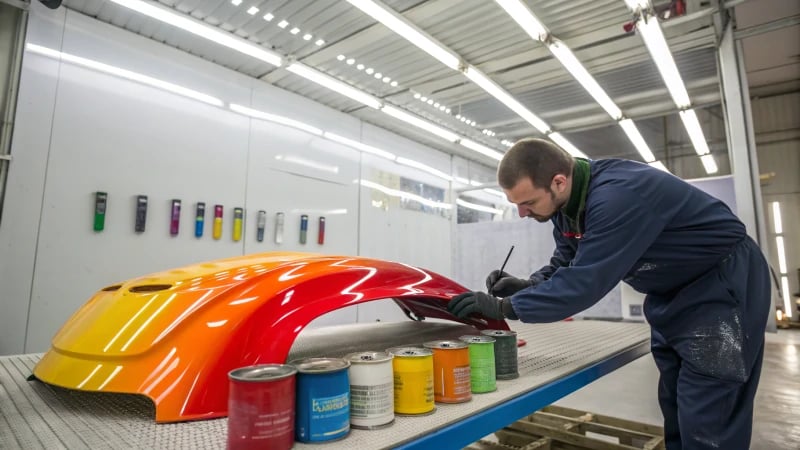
<point x="463" y="305"/>
<point x="502" y="284"/>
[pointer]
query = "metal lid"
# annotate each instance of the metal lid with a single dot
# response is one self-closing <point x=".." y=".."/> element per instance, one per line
<point x="498" y="333"/>
<point x="409" y="351"/>
<point x="262" y="372"/>
<point x="446" y="345"/>
<point x="320" y="365"/>
<point x="368" y="357"/>
<point x="475" y="339"/>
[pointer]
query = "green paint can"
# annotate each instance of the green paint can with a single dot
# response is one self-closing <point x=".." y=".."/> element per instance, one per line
<point x="481" y="363"/>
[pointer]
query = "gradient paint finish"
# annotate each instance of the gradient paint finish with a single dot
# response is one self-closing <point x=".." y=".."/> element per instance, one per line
<point x="147" y="342"/>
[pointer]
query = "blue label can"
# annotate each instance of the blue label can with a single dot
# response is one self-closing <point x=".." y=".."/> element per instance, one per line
<point x="323" y="399"/>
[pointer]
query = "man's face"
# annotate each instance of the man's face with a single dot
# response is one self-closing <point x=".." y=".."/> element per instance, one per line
<point x="537" y="203"/>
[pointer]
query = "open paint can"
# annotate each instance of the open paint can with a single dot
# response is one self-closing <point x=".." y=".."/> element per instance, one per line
<point x="481" y="363"/>
<point x="505" y="353"/>
<point x="413" y="380"/>
<point x="451" y="379"/>
<point x="261" y="407"/>
<point x="371" y="390"/>
<point x="323" y="399"/>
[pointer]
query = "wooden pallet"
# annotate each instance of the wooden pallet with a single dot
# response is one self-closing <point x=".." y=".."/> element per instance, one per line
<point x="559" y="428"/>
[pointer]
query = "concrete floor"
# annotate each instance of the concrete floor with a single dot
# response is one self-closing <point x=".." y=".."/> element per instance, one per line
<point x="630" y="393"/>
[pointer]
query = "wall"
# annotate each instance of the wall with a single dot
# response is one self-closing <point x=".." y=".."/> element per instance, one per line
<point x="776" y="120"/>
<point x="80" y="130"/>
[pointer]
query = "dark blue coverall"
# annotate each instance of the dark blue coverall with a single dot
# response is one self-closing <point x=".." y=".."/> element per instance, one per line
<point x="707" y="286"/>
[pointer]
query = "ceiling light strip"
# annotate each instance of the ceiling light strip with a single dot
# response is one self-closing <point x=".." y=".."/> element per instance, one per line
<point x="636" y="138"/>
<point x="478" y="207"/>
<point x="650" y="30"/>
<point x="196" y="27"/>
<point x="334" y="84"/>
<point x="405" y="29"/>
<point x="126" y="74"/>
<point x="419" y="123"/>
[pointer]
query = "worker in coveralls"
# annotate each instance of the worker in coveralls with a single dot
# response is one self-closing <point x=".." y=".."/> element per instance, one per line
<point x="707" y="282"/>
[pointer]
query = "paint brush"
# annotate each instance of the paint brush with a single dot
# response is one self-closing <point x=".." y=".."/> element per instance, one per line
<point x="502" y="268"/>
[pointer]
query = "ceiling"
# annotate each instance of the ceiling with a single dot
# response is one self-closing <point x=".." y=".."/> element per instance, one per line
<point x="485" y="36"/>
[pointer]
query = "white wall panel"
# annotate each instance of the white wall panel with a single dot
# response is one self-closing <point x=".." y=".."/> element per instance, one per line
<point x="25" y="184"/>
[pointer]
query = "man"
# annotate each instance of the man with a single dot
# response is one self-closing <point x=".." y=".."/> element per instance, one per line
<point x="707" y="283"/>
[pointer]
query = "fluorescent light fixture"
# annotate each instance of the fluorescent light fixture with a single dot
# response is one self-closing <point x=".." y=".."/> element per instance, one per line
<point x="252" y="10"/>
<point x="482" y="149"/>
<point x="709" y="164"/>
<point x="781" y="255"/>
<point x="525" y="18"/>
<point x="423" y="167"/>
<point x="201" y="29"/>
<point x="359" y="146"/>
<point x="638" y="141"/>
<point x="294" y="30"/>
<point x="404" y="195"/>
<point x="566" y="145"/>
<point x="319" y="42"/>
<point x="276" y="119"/>
<point x="307" y="37"/>
<point x="787" y="302"/>
<point x="268" y="17"/>
<point x="283" y="24"/>
<point x="776" y="217"/>
<point x="236" y="2"/>
<point x="307" y="163"/>
<point x="495" y="192"/>
<point x="401" y="26"/>
<point x="695" y="132"/>
<point x="659" y="51"/>
<point x="659" y="165"/>
<point x="477" y="207"/>
<point x="126" y="74"/>
<point x="420" y="123"/>
<point x="571" y="63"/>
<point x="334" y="84"/>
<point x="499" y="93"/>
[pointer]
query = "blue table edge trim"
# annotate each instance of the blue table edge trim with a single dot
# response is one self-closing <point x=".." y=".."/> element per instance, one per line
<point x="485" y="422"/>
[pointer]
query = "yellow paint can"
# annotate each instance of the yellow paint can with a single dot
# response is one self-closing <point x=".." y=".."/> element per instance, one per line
<point x="413" y="380"/>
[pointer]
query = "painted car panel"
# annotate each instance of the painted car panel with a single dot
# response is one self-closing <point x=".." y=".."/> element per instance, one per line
<point x="173" y="336"/>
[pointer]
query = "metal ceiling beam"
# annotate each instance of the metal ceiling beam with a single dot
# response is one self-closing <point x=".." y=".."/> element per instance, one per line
<point x="767" y="27"/>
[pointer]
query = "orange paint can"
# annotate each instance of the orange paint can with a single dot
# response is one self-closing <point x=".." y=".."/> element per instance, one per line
<point x="451" y="371"/>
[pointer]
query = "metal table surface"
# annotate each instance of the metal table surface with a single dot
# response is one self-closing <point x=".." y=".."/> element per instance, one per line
<point x="558" y="359"/>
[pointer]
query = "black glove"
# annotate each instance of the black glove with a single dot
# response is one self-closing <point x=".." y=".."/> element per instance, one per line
<point x="468" y="303"/>
<point x="502" y="284"/>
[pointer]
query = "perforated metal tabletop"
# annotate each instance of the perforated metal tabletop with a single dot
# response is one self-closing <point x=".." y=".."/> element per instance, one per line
<point x="557" y="360"/>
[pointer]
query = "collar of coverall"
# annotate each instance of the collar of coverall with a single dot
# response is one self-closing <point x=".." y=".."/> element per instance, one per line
<point x="573" y="211"/>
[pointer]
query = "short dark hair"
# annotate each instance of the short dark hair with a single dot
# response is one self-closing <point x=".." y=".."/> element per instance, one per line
<point x="537" y="159"/>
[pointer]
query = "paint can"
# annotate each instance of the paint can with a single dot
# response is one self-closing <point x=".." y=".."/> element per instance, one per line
<point x="413" y="380"/>
<point x="451" y="373"/>
<point x="371" y="390"/>
<point x="261" y="407"/>
<point x="505" y="353"/>
<point x="323" y="399"/>
<point x="481" y="363"/>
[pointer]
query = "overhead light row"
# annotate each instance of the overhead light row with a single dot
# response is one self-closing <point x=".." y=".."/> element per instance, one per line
<point x="253" y="10"/>
<point x="369" y="70"/>
<point x="777" y="224"/>
<point x="432" y="102"/>
<point x="538" y="32"/>
<point x="206" y="31"/>
<point x="648" y="27"/>
<point x="414" y="35"/>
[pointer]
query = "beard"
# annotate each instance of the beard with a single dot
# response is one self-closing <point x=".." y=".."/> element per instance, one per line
<point x="556" y="207"/>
